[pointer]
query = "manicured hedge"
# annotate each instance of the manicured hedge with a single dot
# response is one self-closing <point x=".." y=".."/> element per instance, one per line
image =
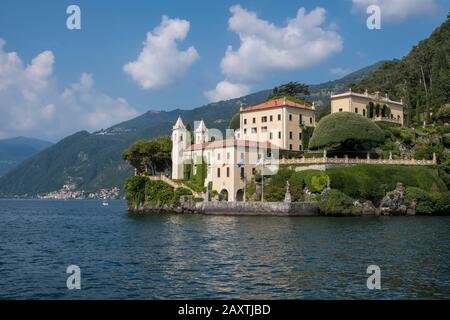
<point x="370" y="182"/>
<point x="345" y="130"/>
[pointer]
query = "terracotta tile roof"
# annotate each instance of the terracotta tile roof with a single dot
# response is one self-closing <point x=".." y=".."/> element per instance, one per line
<point x="275" y="103"/>
<point x="231" y="143"/>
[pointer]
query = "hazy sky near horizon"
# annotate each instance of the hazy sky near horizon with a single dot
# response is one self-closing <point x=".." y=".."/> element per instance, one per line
<point x="133" y="56"/>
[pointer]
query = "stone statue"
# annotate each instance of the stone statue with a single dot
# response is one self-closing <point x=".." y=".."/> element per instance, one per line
<point x="287" y="196"/>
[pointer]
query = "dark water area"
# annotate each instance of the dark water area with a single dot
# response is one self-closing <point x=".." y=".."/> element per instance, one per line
<point x="122" y="256"/>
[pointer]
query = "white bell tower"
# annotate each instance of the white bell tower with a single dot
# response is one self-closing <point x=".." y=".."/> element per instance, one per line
<point x="201" y="132"/>
<point x="181" y="141"/>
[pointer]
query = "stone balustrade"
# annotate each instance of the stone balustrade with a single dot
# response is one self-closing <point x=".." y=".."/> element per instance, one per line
<point x="347" y="161"/>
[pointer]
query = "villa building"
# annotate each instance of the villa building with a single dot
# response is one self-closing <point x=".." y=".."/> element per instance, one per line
<point x="374" y="106"/>
<point x="279" y="121"/>
<point x="230" y="163"/>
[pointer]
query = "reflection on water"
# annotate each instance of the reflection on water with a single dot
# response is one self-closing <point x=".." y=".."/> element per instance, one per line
<point x="194" y="256"/>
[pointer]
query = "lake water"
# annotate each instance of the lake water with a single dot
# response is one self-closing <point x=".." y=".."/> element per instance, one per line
<point x="216" y="257"/>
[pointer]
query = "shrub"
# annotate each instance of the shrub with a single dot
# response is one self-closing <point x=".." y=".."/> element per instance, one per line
<point x="424" y="200"/>
<point x="177" y="194"/>
<point x="442" y="205"/>
<point x="347" y="131"/>
<point x="135" y="187"/>
<point x="316" y="181"/>
<point x="446" y="140"/>
<point x="158" y="193"/>
<point x="336" y="203"/>
<point x="296" y="185"/>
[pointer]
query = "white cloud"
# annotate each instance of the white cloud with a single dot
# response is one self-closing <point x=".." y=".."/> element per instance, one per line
<point x="397" y="10"/>
<point x="226" y="90"/>
<point x="266" y="48"/>
<point x="32" y="105"/>
<point x="161" y="63"/>
<point x="339" y="71"/>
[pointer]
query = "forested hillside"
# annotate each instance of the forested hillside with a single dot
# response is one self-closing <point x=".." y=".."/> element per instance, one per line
<point x="422" y="77"/>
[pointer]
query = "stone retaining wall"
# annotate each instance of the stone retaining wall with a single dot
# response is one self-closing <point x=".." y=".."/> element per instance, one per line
<point x="259" y="208"/>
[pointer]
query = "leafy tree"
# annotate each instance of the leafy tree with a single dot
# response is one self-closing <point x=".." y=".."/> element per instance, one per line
<point x="135" y="187"/>
<point x="291" y="89"/>
<point x="323" y="112"/>
<point x="235" y="122"/>
<point x="150" y="156"/>
<point x="347" y="132"/>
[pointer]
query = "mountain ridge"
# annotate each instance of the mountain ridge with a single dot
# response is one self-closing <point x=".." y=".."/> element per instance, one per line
<point x="15" y="150"/>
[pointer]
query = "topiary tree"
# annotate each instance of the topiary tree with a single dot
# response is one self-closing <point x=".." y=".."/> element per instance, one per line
<point x="235" y="122"/>
<point x="377" y="110"/>
<point x="370" y="110"/>
<point x="347" y="132"/>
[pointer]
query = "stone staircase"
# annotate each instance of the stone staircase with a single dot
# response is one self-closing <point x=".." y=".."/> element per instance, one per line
<point x="175" y="184"/>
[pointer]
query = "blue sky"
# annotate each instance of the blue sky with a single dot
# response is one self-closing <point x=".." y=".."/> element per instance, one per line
<point x="84" y="69"/>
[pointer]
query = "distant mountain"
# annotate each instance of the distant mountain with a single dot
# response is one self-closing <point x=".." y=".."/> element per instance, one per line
<point x="14" y="150"/>
<point x="93" y="160"/>
<point x="321" y="92"/>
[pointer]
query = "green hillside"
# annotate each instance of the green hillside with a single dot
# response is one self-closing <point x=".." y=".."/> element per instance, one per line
<point x="93" y="160"/>
<point x="422" y="77"/>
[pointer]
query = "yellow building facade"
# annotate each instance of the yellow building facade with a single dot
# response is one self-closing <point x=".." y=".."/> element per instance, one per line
<point x="278" y="121"/>
<point x="361" y="103"/>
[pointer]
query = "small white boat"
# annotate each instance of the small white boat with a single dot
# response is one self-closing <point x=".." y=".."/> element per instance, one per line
<point x="104" y="203"/>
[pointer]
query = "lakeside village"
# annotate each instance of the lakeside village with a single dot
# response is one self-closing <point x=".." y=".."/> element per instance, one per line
<point x="277" y="159"/>
<point x="69" y="192"/>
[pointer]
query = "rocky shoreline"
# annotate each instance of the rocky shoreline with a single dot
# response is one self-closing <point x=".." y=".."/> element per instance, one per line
<point x="393" y="204"/>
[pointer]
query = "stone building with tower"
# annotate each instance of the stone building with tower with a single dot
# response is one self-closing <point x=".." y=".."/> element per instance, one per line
<point x="231" y="162"/>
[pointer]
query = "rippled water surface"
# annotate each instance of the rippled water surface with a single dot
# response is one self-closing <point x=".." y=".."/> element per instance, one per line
<point x="214" y="257"/>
